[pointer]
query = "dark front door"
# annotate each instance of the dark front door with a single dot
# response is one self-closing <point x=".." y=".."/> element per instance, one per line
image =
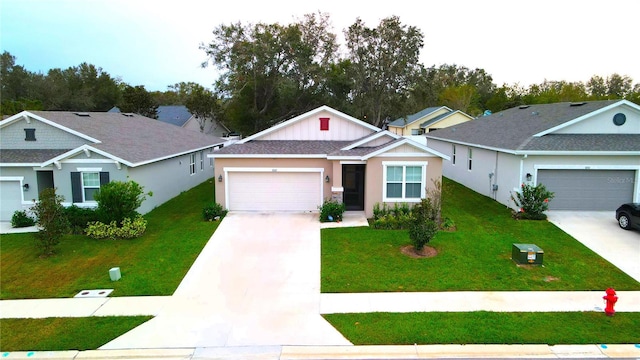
<point x="45" y="180"/>
<point x="353" y="184"/>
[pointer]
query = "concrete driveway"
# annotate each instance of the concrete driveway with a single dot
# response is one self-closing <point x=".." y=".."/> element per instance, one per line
<point x="599" y="231"/>
<point x="256" y="283"/>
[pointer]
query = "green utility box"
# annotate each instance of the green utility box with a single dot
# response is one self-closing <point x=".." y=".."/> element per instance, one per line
<point x="528" y="254"/>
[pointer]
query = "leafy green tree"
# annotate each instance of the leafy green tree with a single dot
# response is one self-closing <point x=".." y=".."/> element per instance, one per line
<point x="203" y="104"/>
<point x="532" y="201"/>
<point x="463" y="98"/>
<point x="424" y="223"/>
<point x="51" y="219"/>
<point x="118" y="200"/>
<point x="384" y="65"/>
<point x="138" y="100"/>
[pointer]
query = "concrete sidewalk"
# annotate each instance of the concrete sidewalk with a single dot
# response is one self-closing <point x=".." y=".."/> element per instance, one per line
<point x="349" y="352"/>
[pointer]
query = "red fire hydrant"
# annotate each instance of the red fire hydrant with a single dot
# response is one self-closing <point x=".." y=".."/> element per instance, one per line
<point x="611" y="300"/>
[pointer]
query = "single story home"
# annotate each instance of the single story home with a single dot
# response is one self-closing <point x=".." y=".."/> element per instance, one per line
<point x="427" y="120"/>
<point x="323" y="154"/>
<point x="587" y="153"/>
<point x="179" y="115"/>
<point x="77" y="152"/>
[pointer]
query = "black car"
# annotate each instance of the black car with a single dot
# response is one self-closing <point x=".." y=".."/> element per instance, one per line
<point x="628" y="216"/>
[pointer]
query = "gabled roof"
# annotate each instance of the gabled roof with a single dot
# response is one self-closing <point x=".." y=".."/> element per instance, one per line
<point x="304" y="116"/>
<point x="526" y="128"/>
<point x="441" y="117"/>
<point x="402" y="122"/>
<point x="132" y="138"/>
<point x="174" y="114"/>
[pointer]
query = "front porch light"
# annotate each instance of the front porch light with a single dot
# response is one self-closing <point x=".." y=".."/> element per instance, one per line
<point x="327" y="179"/>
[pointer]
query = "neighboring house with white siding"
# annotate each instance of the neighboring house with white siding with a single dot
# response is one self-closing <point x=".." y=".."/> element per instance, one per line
<point x="587" y="153"/>
<point x="322" y="154"/>
<point x="77" y="152"/>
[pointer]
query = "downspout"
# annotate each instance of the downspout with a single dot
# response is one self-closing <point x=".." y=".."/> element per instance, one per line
<point x="494" y="187"/>
<point x="521" y="172"/>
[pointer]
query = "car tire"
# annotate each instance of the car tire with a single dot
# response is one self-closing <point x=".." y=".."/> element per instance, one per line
<point x="624" y="221"/>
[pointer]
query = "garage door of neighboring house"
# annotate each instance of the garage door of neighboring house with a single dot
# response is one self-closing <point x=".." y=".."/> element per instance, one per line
<point x="588" y="190"/>
<point x="10" y="198"/>
<point x="274" y="191"/>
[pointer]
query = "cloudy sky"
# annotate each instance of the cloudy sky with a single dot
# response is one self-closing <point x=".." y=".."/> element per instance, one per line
<point x="156" y="43"/>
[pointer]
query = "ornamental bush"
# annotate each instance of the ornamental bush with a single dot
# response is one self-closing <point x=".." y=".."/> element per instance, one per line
<point x="118" y="200"/>
<point x="128" y="229"/>
<point x="213" y="211"/>
<point x="21" y="219"/>
<point x="424" y="225"/>
<point x="532" y="202"/>
<point x="79" y="217"/>
<point x="333" y="209"/>
<point x="51" y="219"/>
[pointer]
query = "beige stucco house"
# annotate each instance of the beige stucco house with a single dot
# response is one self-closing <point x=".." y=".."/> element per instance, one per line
<point x="323" y="154"/>
<point x="429" y="119"/>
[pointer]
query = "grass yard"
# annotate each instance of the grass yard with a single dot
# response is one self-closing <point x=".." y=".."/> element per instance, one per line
<point x="487" y="328"/>
<point x="59" y="334"/>
<point x="153" y="264"/>
<point x="476" y="257"/>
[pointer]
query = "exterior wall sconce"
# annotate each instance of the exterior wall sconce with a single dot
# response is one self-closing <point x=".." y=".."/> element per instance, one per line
<point x="25" y="187"/>
<point x="219" y="178"/>
<point x="529" y="176"/>
<point x="327" y="179"/>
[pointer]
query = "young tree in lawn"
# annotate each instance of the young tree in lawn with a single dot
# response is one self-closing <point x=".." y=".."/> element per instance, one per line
<point x="51" y="219"/>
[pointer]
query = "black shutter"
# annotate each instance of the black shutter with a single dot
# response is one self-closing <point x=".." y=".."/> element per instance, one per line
<point x="104" y="178"/>
<point x="76" y="187"/>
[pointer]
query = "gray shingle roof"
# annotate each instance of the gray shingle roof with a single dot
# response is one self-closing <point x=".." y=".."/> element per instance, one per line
<point x="585" y="142"/>
<point x="134" y="138"/>
<point x="174" y="114"/>
<point x="513" y="129"/>
<point x="287" y="147"/>
<point x="413" y="117"/>
<point x="31" y="156"/>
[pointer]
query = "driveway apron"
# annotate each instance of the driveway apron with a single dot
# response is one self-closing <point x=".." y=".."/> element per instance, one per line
<point x="256" y="283"/>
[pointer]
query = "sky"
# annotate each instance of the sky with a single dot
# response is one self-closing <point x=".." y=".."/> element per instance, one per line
<point x="156" y="43"/>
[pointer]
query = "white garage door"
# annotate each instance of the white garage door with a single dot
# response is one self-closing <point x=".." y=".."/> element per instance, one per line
<point x="274" y="191"/>
<point x="10" y="199"/>
<point x="585" y="190"/>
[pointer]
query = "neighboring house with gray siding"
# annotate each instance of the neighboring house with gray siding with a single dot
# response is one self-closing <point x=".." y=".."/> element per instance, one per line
<point x="587" y="153"/>
<point x="78" y="152"/>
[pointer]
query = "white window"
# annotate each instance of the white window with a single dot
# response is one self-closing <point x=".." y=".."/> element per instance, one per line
<point x="201" y="160"/>
<point x="470" y="159"/>
<point x="192" y="164"/>
<point x="90" y="184"/>
<point x="453" y="153"/>
<point x="404" y="181"/>
<point x="211" y="159"/>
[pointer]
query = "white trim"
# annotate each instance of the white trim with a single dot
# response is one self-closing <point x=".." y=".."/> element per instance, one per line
<point x="371" y="138"/>
<point x="38" y="168"/>
<point x="406" y="141"/>
<point x="352" y="159"/>
<point x="348" y="162"/>
<point x="267" y="156"/>
<point x="89" y="169"/>
<point x="306" y="115"/>
<point x="88" y="161"/>
<point x="579" y="153"/>
<point x="12" y="178"/>
<point x="227" y="170"/>
<point x="65" y="157"/>
<point x="393" y="155"/>
<point x="588" y="115"/>
<point x="19" y="164"/>
<point x="337" y="189"/>
<point x="404" y="164"/>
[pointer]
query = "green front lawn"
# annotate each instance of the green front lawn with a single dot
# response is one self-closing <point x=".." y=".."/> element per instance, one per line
<point x="476" y="257"/>
<point x="487" y="328"/>
<point x="59" y="334"/>
<point x="153" y="264"/>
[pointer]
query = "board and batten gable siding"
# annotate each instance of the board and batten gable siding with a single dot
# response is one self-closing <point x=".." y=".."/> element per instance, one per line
<point x="168" y="178"/>
<point x="13" y="136"/>
<point x="603" y="123"/>
<point x="309" y="129"/>
<point x="454" y="119"/>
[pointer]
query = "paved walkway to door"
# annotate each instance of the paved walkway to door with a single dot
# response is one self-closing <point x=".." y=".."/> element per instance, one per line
<point x="256" y="283"/>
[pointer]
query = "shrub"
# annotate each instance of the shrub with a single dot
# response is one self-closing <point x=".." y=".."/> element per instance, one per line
<point x="424" y="224"/>
<point x="51" y="219"/>
<point x="79" y="218"/>
<point x="118" y="200"/>
<point x="212" y="211"/>
<point x="21" y="219"/>
<point x="128" y="229"/>
<point x="333" y="209"/>
<point x="532" y="202"/>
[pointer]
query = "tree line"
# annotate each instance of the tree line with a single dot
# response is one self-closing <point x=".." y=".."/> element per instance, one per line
<point x="272" y="72"/>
